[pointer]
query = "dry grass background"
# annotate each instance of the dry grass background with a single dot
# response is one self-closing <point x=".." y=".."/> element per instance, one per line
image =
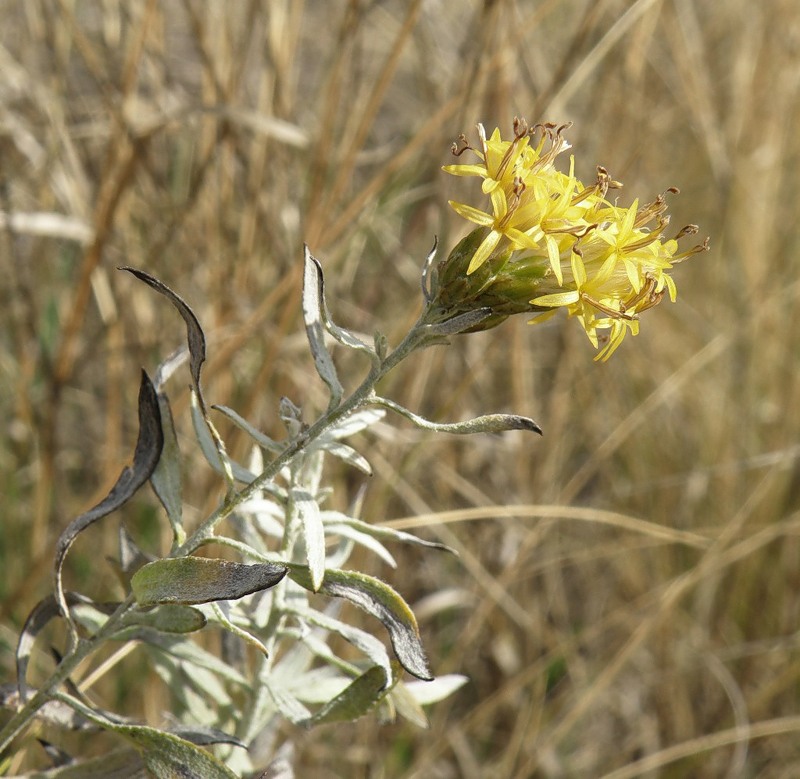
<point x="635" y="611"/>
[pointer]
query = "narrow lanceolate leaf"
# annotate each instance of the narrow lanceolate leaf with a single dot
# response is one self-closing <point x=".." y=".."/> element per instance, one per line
<point x="165" y="755"/>
<point x="491" y="423"/>
<point x="264" y="441"/>
<point x="356" y="699"/>
<point x="460" y="323"/>
<point x="345" y="453"/>
<point x="145" y="459"/>
<point x="312" y="315"/>
<point x="313" y="534"/>
<point x="365" y="642"/>
<point x="380" y="600"/>
<point x="333" y="519"/>
<point x="212" y="448"/>
<point x="344" y="337"/>
<point x="166" y="479"/>
<point x="188" y="580"/>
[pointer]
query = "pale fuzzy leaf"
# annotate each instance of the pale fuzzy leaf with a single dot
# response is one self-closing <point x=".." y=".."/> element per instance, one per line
<point x="166" y="479"/>
<point x="354" y="423"/>
<point x="460" y="323"/>
<point x="380" y="600"/>
<point x="312" y="315"/>
<point x="338" y="518"/>
<point x="209" y="446"/>
<point x="407" y="706"/>
<point x="188" y="580"/>
<point x="266" y="514"/>
<point x="313" y="533"/>
<point x="264" y="441"/>
<point x="365" y="642"/>
<point x="363" y="539"/>
<point x="345" y="453"/>
<point x="286" y="703"/>
<point x="318" y="685"/>
<point x="426" y="693"/>
<point x="145" y="459"/>
<point x="191" y="653"/>
<point x="165" y="755"/>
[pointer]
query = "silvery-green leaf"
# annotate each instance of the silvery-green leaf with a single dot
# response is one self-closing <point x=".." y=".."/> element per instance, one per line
<point x="428" y="271"/>
<point x="145" y="459"/>
<point x="188" y="580"/>
<point x="426" y="693"/>
<point x="312" y="315"/>
<point x="344" y="452"/>
<point x="166" y="479"/>
<point x="380" y="600"/>
<point x="169" y="366"/>
<point x="210" y="449"/>
<point x="356" y="699"/>
<point x="365" y="642"/>
<point x="318" y="685"/>
<point x="190" y="652"/>
<point x="268" y="515"/>
<point x="460" y="323"/>
<point x="118" y="764"/>
<point x="285" y="702"/>
<point x="354" y="423"/>
<point x="264" y="441"/>
<point x="313" y="534"/>
<point x="490" y="423"/>
<point x="331" y="518"/>
<point x="166" y="756"/>
<point x="407" y="706"/>
<point x="363" y="539"/>
<point x="52" y="713"/>
<point x="344" y="337"/>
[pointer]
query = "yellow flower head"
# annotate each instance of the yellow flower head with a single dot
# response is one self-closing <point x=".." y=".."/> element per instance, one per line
<point x="563" y="244"/>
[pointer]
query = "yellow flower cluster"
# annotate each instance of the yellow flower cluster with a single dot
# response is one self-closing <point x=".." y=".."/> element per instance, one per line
<point x="601" y="262"/>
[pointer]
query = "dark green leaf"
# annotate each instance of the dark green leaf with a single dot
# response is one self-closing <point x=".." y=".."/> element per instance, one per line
<point x="190" y="580"/>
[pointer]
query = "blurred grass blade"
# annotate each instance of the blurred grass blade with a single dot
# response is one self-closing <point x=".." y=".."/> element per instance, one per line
<point x="189" y="580"/>
<point x="145" y="460"/>
<point x="380" y="600"/>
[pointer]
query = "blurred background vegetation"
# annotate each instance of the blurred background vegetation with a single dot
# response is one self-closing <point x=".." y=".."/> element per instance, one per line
<point x="639" y="600"/>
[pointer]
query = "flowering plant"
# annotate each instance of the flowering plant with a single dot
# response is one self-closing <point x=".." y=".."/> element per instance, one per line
<point x="548" y="242"/>
<point x="551" y="242"/>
